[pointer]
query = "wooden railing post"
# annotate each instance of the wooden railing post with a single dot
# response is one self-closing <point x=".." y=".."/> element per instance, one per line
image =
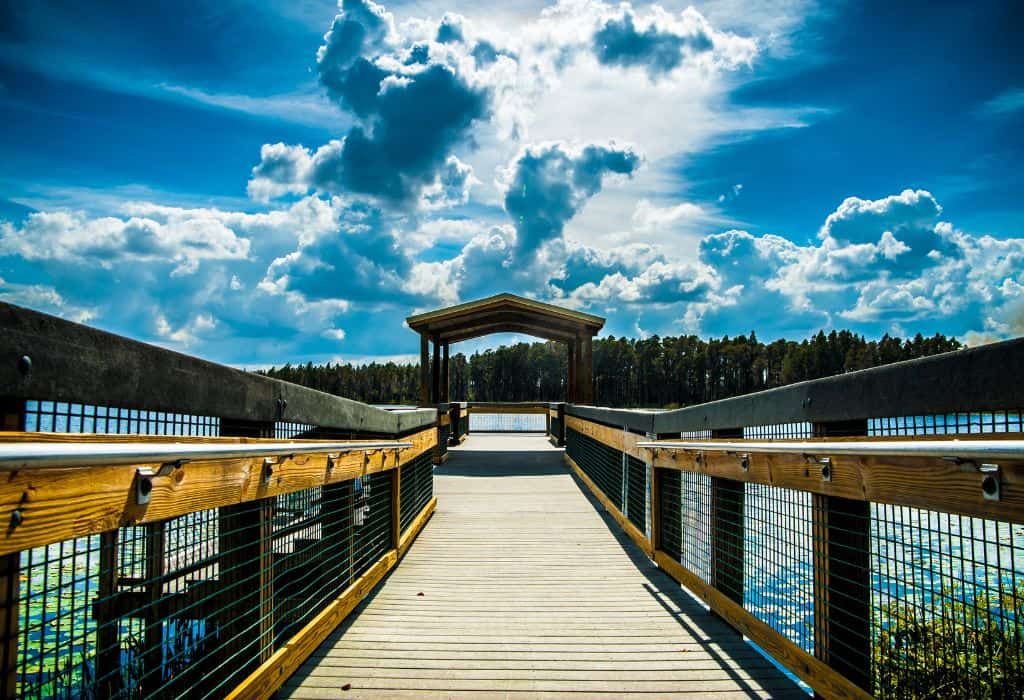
<point x="12" y="412"/>
<point x="10" y="565"/>
<point x="396" y="504"/>
<point x="153" y="658"/>
<point x="246" y="572"/>
<point x="653" y="510"/>
<point x="108" y="640"/>
<point x="842" y="575"/>
<point x="453" y="434"/>
<point x="561" y="425"/>
<point x="247" y="585"/>
<point x="727" y="530"/>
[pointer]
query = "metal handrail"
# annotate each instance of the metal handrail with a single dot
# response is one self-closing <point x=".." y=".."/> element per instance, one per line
<point x="37" y="455"/>
<point x="951" y="449"/>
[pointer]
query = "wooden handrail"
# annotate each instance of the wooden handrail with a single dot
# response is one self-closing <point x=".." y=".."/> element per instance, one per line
<point x="979" y="475"/>
<point x="47" y="504"/>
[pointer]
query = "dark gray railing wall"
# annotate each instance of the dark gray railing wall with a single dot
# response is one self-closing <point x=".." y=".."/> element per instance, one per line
<point x="49" y="358"/>
<point x="986" y="378"/>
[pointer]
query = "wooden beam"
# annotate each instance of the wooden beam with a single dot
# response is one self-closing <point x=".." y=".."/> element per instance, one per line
<point x="483" y="318"/>
<point x="59" y="504"/>
<point x="547" y="333"/>
<point x="629" y="528"/>
<point x="505" y="410"/>
<point x="616" y="438"/>
<point x="812" y="671"/>
<point x="506" y="302"/>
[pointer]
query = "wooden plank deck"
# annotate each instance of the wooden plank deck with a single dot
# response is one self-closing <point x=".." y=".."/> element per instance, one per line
<point x="521" y="587"/>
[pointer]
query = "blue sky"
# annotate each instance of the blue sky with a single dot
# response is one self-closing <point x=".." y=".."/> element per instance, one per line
<point x="286" y="181"/>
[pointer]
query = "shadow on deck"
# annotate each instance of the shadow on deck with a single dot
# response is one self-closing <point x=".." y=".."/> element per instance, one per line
<point x="521" y="585"/>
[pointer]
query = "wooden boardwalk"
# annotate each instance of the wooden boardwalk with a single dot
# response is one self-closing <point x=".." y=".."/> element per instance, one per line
<point x="520" y="586"/>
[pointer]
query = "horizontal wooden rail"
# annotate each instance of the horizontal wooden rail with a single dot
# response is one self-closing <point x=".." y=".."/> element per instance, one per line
<point x="950" y="448"/>
<point x="878" y="470"/>
<point x="50" y="455"/>
<point x="508" y="408"/>
<point x="47" y="505"/>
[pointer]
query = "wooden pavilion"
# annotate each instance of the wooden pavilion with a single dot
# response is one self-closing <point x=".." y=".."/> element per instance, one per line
<point x="505" y="313"/>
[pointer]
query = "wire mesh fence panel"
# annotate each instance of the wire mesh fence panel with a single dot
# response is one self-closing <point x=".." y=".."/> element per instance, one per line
<point x="948" y="424"/>
<point x="62" y="417"/>
<point x="603" y="464"/>
<point x="192" y="605"/>
<point x="417" y="488"/>
<point x="704" y="434"/>
<point x="284" y="430"/>
<point x="778" y="431"/>
<point x="695" y="524"/>
<point x="372" y="520"/>
<point x="947" y="604"/>
<point x="947" y="600"/>
<point x="636" y="492"/>
<point x="778" y="586"/>
<point x="670" y="522"/>
<point x="507" y="422"/>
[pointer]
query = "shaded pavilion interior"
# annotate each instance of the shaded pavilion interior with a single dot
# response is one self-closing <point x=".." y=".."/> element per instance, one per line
<point x="504" y="313"/>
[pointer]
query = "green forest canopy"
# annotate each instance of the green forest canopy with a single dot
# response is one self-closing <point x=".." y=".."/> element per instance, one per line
<point x="650" y="372"/>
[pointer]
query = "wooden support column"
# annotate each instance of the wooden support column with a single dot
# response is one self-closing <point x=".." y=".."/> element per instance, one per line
<point x="424" y="370"/>
<point x="446" y="377"/>
<point x="435" y="394"/>
<point x="586" y="371"/>
<point x="842" y="575"/>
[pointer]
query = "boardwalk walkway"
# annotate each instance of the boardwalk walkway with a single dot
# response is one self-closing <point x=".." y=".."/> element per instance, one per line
<point x="520" y="587"/>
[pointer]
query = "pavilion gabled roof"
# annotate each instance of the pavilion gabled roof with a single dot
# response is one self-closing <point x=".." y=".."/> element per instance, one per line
<point x="505" y="313"/>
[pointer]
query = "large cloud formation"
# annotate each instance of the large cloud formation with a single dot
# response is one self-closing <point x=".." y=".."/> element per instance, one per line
<point x="414" y="100"/>
<point x="548" y="184"/>
<point x="455" y="178"/>
<point x="73" y="237"/>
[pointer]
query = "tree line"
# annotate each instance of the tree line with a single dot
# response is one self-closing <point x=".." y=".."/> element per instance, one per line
<point x="657" y="371"/>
